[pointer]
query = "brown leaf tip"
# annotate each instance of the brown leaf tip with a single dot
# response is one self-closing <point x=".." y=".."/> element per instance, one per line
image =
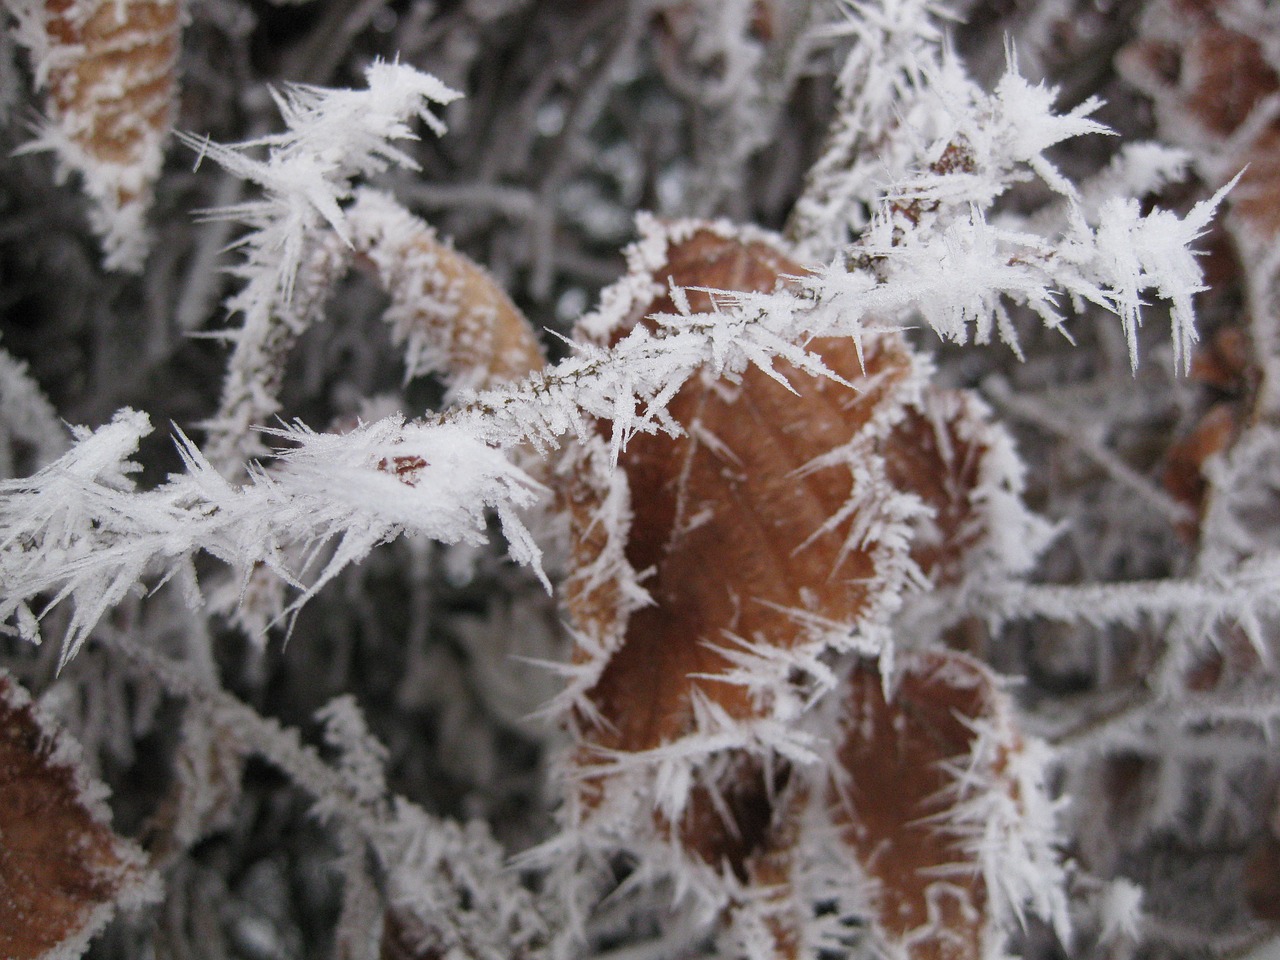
<point x="941" y="799"/>
<point x="111" y="70"/>
<point x="63" y="871"/>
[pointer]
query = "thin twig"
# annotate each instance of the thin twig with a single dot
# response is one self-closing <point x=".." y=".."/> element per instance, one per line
<point x="1032" y="411"/>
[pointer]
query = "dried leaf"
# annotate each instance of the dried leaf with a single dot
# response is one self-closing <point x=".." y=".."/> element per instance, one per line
<point x="63" y="872"/>
<point x="767" y="531"/>
<point x="452" y="317"/>
<point x="907" y="761"/>
<point x="750" y="536"/>
<point x="110" y="68"/>
<point x="1207" y="77"/>
<point x="1184" y="464"/>
<point x="930" y="794"/>
<point x="736" y="525"/>
<point x="721" y="572"/>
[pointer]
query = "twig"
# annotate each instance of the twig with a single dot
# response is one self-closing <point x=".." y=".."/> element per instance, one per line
<point x="1034" y="412"/>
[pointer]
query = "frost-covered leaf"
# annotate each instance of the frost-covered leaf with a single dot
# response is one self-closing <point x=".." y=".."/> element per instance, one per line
<point x="949" y="452"/>
<point x="942" y="798"/>
<point x="720" y="569"/>
<point x="110" y="69"/>
<point x="450" y="315"/>
<point x="767" y="526"/>
<point x="63" y="871"/>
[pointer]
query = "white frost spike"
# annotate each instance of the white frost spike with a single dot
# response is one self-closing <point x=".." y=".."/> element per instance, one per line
<point x="334" y="136"/>
<point x="1008" y="824"/>
<point x="1121" y="911"/>
<point x="78" y="530"/>
<point x="1030" y="126"/>
<point x="1152" y="252"/>
<point x="53" y="509"/>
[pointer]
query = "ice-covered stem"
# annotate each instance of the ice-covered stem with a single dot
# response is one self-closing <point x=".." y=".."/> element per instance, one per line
<point x="955" y="273"/>
<point x="110" y="69"/>
<point x="1262" y="287"/>
<point x="26" y="417"/>
<point x="1245" y="595"/>
<point x="448" y="886"/>
<point x="255" y="369"/>
<point x="290" y="260"/>
<point x="955" y="279"/>
<point x="79" y="530"/>
<point x="894" y="43"/>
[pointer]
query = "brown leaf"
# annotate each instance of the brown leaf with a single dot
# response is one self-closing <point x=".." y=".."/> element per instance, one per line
<point x="917" y="776"/>
<point x="939" y="451"/>
<point x="736" y="538"/>
<point x="775" y="528"/>
<point x="1207" y="76"/>
<point x="1184" y="463"/>
<point x="62" y="869"/>
<point x="895" y="797"/>
<point x="734" y="518"/>
<point x="111" y="75"/>
<point x="449" y="312"/>
<point x="742" y="536"/>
